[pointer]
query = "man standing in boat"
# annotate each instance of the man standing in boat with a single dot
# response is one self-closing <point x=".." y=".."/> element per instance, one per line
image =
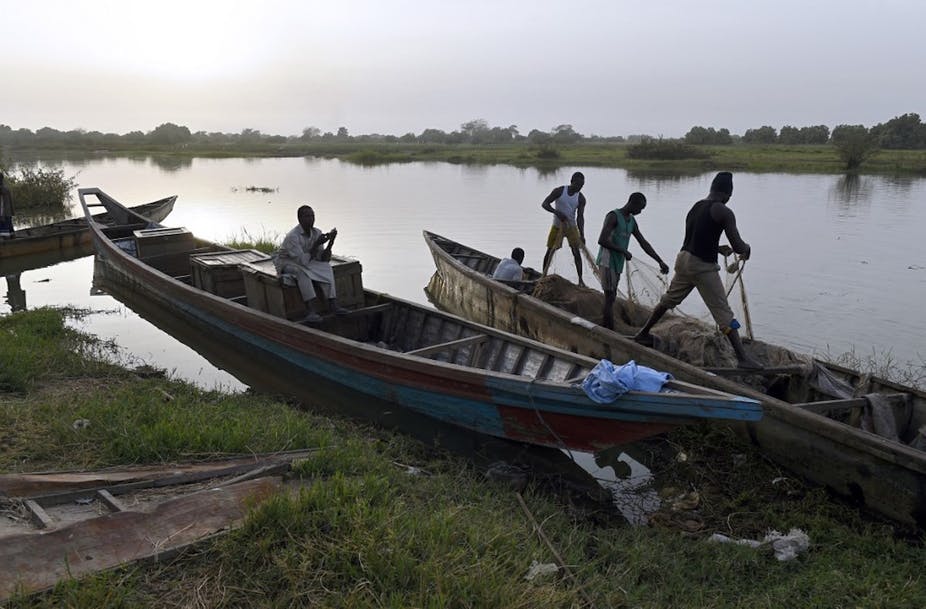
<point x="567" y="204"/>
<point x="614" y="240"/>
<point x="306" y="254"/>
<point x="6" y="210"/>
<point x="696" y="265"/>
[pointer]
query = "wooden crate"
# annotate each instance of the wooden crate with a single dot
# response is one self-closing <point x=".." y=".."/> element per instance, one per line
<point x="152" y="242"/>
<point x="266" y="292"/>
<point x="220" y="273"/>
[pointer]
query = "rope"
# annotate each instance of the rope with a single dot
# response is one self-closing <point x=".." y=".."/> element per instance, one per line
<point x="741" y="265"/>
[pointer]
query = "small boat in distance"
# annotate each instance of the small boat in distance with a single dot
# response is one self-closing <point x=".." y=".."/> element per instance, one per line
<point x="859" y="435"/>
<point x="70" y="235"/>
<point x="388" y="354"/>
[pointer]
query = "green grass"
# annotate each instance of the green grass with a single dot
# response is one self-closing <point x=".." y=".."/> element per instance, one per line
<point x="737" y="157"/>
<point x="266" y="242"/>
<point x="357" y="530"/>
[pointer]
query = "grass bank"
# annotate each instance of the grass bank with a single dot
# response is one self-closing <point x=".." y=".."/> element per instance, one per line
<point x="365" y="530"/>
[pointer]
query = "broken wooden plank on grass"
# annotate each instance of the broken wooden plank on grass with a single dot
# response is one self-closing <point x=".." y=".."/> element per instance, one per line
<point x="69" y="485"/>
<point x="37" y="562"/>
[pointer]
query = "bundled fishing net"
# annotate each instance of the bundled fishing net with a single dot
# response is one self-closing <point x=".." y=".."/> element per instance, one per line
<point x="694" y="339"/>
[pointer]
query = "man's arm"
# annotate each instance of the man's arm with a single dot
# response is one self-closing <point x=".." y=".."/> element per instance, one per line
<point x="580" y="216"/>
<point x="663" y="267"/>
<point x="727" y="219"/>
<point x="548" y="203"/>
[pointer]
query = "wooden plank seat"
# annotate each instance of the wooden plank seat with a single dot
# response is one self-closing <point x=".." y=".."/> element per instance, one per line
<point x="830" y="406"/>
<point x="770" y="371"/>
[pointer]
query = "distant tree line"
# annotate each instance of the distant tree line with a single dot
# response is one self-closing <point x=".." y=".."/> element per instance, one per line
<point x="902" y="132"/>
<point x="476" y="132"/>
<point x="905" y="132"/>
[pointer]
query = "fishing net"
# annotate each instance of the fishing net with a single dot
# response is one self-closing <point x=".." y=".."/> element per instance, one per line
<point x="693" y="338"/>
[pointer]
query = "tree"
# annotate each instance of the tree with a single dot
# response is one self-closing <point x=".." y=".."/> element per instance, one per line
<point x="432" y="136"/>
<point x="790" y="135"/>
<point x="474" y="128"/>
<point x="854" y="144"/>
<point x="902" y="132"/>
<point x="169" y="133"/>
<point x="342" y="133"/>
<point x="708" y="136"/>
<point x="565" y="134"/>
<point x="762" y="135"/>
<point x="310" y="133"/>
<point x="818" y="134"/>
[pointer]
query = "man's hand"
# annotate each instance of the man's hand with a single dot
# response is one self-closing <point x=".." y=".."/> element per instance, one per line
<point x="747" y="253"/>
<point x="663" y="268"/>
<point x="627" y="255"/>
<point x="562" y="217"/>
<point x="725" y="250"/>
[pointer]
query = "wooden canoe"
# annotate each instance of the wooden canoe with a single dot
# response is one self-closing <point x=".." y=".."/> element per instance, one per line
<point x="390" y="354"/>
<point x="65" y="525"/>
<point x="806" y="428"/>
<point x="73" y="235"/>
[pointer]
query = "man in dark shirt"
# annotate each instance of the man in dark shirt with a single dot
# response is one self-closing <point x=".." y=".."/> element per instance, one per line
<point x="696" y="265"/>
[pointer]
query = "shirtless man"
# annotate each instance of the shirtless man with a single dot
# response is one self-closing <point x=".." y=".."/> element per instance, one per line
<point x="306" y="253"/>
<point x="614" y="240"/>
<point x="567" y="205"/>
<point x="696" y="265"/>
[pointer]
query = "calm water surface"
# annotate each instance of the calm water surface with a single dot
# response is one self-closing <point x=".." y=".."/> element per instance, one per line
<point x="838" y="264"/>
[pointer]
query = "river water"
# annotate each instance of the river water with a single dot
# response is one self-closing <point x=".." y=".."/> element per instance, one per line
<point x="838" y="263"/>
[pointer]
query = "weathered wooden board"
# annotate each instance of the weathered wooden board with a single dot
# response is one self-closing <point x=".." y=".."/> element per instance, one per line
<point x="33" y="562"/>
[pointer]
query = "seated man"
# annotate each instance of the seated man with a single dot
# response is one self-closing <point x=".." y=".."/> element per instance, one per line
<point x="302" y="254"/>
<point x="509" y="269"/>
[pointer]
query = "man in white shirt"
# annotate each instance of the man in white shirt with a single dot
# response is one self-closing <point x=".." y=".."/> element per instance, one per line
<point x="567" y="204"/>
<point x="306" y="254"/>
<point x="509" y="269"/>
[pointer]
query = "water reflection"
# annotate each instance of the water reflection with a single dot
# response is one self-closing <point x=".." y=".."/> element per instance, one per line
<point x="171" y="164"/>
<point x="852" y="190"/>
<point x="15" y="295"/>
<point x="655" y="175"/>
<point x="631" y="484"/>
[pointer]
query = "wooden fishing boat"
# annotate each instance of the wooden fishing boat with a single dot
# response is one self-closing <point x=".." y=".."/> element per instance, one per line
<point x="390" y="354"/>
<point x="812" y="411"/>
<point x="73" y="236"/>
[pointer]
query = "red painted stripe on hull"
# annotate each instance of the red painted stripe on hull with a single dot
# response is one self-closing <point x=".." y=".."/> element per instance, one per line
<point x="578" y="433"/>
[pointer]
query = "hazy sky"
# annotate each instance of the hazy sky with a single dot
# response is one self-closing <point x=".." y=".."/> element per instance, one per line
<point x="610" y="67"/>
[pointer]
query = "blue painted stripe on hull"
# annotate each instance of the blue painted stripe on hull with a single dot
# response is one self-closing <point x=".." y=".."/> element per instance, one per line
<point x="474" y="414"/>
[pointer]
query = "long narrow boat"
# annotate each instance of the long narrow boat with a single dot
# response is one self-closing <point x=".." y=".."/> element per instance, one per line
<point x="74" y="234"/>
<point x="812" y="412"/>
<point x="389" y="353"/>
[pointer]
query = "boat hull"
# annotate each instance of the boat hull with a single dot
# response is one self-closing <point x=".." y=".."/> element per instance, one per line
<point x="71" y="237"/>
<point x="884" y="476"/>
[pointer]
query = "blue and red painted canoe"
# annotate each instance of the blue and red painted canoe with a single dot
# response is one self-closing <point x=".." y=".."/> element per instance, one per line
<point x="389" y="354"/>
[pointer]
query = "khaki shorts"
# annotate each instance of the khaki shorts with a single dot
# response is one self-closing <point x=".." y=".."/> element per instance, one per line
<point x="555" y="238"/>
<point x="691" y="272"/>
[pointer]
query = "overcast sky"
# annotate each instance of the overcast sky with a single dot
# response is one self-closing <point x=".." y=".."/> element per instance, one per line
<point x="610" y="67"/>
